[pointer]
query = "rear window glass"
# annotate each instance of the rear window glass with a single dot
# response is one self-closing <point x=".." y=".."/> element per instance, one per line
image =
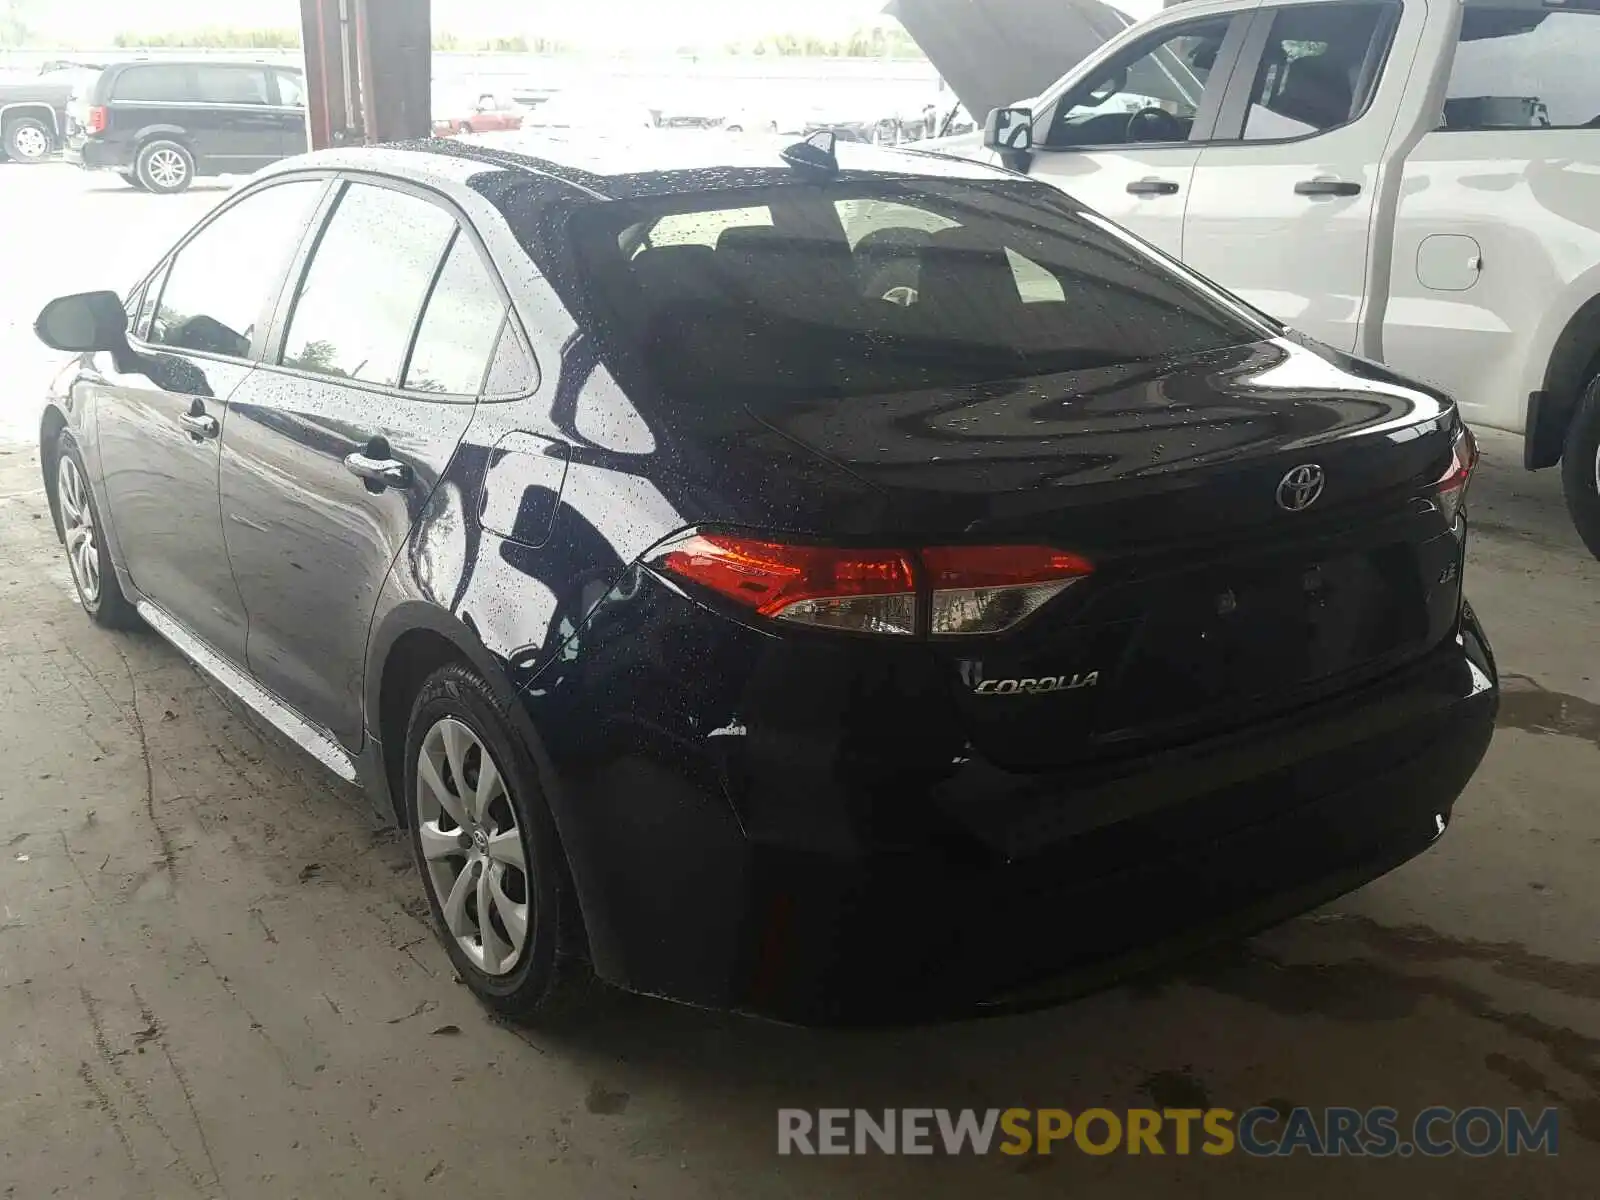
<point x="153" y="83"/>
<point x="891" y="286"/>
<point x="1518" y="68"/>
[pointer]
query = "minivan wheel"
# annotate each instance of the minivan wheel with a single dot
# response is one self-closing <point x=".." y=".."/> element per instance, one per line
<point x="27" y="140"/>
<point x="82" y="534"/>
<point x="1580" y="467"/>
<point x="165" y="167"/>
<point x="487" y="849"/>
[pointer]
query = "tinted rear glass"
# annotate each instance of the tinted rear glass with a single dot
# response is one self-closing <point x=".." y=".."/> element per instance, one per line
<point x="153" y="83"/>
<point x="851" y="289"/>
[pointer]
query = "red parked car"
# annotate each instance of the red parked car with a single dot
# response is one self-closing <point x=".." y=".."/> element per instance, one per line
<point x="460" y="114"/>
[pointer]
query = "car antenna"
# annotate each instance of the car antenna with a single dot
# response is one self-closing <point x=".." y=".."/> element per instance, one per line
<point x="815" y="153"/>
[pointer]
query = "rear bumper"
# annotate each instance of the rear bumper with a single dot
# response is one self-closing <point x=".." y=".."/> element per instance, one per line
<point x="97" y="154"/>
<point x="849" y="898"/>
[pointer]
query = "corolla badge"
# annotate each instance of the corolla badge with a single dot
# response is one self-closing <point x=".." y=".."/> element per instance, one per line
<point x="1044" y="683"/>
<point x="1300" y="488"/>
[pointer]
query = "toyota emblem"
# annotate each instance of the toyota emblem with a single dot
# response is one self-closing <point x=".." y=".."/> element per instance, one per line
<point x="1300" y="488"/>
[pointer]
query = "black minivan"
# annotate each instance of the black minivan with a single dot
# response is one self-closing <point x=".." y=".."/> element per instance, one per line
<point x="160" y="124"/>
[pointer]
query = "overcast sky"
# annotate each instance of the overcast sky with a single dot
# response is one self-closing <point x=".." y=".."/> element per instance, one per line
<point x="641" y="23"/>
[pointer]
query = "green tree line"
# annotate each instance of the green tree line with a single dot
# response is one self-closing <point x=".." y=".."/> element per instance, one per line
<point x="877" y="42"/>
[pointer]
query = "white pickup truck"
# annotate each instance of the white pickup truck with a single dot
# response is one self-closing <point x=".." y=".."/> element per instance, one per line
<point x="1413" y="181"/>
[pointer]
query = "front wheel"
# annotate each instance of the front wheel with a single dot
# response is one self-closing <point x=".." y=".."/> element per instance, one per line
<point x="165" y="167"/>
<point x="487" y="849"/>
<point x="82" y="532"/>
<point x="1580" y="467"/>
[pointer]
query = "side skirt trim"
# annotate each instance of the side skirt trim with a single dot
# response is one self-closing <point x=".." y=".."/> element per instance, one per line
<point x="314" y="741"/>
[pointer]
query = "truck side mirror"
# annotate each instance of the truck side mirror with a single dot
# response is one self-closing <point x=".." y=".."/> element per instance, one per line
<point x="1009" y="129"/>
<point x="1009" y="132"/>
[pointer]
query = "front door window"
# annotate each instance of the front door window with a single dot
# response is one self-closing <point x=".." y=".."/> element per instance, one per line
<point x="1153" y="93"/>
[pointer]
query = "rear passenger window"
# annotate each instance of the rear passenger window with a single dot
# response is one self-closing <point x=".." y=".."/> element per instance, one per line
<point x="459" y="327"/>
<point x="359" y="298"/>
<point x="231" y="85"/>
<point x="1522" y="68"/>
<point x="153" y="83"/>
<point x="1317" y="70"/>
<point x="222" y="279"/>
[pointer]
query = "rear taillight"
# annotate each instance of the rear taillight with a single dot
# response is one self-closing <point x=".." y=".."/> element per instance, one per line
<point x="940" y="590"/>
<point x="96" y="122"/>
<point x="867" y="591"/>
<point x="1452" y="486"/>
<point x="984" y="589"/>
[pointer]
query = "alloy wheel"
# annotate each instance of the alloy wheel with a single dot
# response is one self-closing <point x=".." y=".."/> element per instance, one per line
<point x="167" y="168"/>
<point x="30" y="142"/>
<point x="77" y="524"/>
<point x="472" y="847"/>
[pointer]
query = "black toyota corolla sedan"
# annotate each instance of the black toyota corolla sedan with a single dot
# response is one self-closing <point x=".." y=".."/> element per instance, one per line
<point x="846" y="585"/>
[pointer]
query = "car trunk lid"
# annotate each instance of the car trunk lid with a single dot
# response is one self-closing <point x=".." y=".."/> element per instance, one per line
<point x="1260" y="526"/>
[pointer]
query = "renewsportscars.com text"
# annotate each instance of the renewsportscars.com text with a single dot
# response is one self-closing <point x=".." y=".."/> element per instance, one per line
<point x="1259" y="1132"/>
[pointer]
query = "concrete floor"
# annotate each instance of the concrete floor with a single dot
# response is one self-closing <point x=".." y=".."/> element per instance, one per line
<point x="216" y="980"/>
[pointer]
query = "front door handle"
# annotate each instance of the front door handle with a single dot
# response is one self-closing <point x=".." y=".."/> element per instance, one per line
<point x="376" y="469"/>
<point x="1327" y="187"/>
<point x="199" y="423"/>
<point x="1152" y="187"/>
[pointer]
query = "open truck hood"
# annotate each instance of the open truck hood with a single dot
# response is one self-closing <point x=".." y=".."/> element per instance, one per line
<point x="996" y="52"/>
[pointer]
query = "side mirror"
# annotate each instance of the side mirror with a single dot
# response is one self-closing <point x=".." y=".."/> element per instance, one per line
<point x="88" y="321"/>
<point x="1009" y="130"/>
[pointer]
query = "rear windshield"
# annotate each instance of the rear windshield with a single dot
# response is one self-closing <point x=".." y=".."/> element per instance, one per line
<point x="848" y="289"/>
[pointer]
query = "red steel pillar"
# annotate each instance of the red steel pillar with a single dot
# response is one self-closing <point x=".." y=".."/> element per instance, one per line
<point x="368" y="70"/>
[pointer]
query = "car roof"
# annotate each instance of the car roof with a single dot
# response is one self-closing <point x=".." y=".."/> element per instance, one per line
<point x="616" y="165"/>
<point x="124" y="63"/>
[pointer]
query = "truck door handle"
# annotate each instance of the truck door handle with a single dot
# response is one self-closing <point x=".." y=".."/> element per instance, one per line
<point x="1152" y="187"/>
<point x="376" y="469"/>
<point x="1327" y="187"/>
<point x="199" y="424"/>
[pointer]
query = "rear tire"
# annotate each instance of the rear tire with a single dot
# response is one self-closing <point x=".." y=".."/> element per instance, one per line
<point x="132" y="180"/>
<point x="28" y="140"/>
<point x="488" y="852"/>
<point x="1580" y="467"/>
<point x="83" y="535"/>
<point x="165" y="167"/>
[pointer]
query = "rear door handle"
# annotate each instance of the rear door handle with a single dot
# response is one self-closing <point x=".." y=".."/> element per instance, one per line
<point x="1327" y="187"/>
<point x="1152" y="187"/>
<point x="198" y="423"/>
<point x="378" y="473"/>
